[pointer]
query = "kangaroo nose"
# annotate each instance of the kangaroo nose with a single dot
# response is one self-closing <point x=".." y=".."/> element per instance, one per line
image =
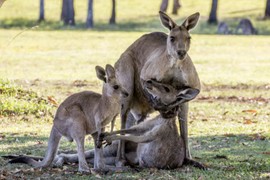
<point x="181" y="53"/>
<point x="125" y="94"/>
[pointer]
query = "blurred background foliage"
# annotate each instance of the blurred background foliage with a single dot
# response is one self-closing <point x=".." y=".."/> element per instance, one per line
<point x="131" y="15"/>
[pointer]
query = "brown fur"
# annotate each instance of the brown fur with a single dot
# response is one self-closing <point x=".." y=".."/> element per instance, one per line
<point x="81" y="114"/>
<point x="159" y="57"/>
<point x="154" y="143"/>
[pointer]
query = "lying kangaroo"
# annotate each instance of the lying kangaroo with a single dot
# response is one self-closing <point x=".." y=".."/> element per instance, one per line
<point x="163" y="58"/>
<point x="246" y="27"/>
<point x="223" y="28"/>
<point x="157" y="142"/>
<point x="81" y="114"/>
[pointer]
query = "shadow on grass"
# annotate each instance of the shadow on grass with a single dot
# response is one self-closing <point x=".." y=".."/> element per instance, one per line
<point x="21" y="23"/>
<point x="226" y="156"/>
<point x="149" y="23"/>
<point x="226" y="149"/>
<point x="233" y="150"/>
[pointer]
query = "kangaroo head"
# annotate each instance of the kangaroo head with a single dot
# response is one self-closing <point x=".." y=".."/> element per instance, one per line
<point x="166" y="99"/>
<point x="164" y="93"/>
<point x="178" y="41"/>
<point x="111" y="85"/>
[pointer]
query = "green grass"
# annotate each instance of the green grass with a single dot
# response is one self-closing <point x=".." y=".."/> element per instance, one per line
<point x="16" y="101"/>
<point x="135" y="15"/>
<point x="219" y="128"/>
<point x="230" y="118"/>
<point x="58" y="55"/>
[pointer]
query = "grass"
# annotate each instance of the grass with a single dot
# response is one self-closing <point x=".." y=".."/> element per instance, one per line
<point x="132" y="15"/>
<point x="16" y="101"/>
<point x="229" y="125"/>
<point x="30" y="57"/>
<point x="233" y="140"/>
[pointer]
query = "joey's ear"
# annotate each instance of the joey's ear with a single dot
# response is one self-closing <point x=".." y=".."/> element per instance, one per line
<point x="110" y="72"/>
<point x="188" y="94"/>
<point x="166" y="20"/>
<point x="191" y="21"/>
<point x="101" y="73"/>
<point x="148" y="85"/>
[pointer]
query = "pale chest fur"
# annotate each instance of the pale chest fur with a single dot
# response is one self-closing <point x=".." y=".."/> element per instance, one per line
<point x="108" y="111"/>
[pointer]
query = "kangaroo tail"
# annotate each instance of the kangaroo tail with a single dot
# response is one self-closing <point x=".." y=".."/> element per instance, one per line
<point x="53" y="144"/>
<point x="37" y="158"/>
<point x="24" y="159"/>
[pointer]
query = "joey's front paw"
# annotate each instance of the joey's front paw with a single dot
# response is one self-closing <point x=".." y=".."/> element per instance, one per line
<point x="98" y="143"/>
<point x="108" y="140"/>
<point x="100" y="139"/>
<point x="103" y="135"/>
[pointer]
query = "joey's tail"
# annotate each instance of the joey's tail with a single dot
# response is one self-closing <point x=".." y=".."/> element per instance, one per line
<point x="53" y="143"/>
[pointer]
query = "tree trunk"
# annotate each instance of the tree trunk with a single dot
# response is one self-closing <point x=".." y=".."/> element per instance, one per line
<point x="1" y="2"/>
<point x="41" y="11"/>
<point x="176" y="5"/>
<point x="89" y="19"/>
<point x="164" y="5"/>
<point x="68" y="12"/>
<point x="112" y="19"/>
<point x="213" y="13"/>
<point x="267" y="9"/>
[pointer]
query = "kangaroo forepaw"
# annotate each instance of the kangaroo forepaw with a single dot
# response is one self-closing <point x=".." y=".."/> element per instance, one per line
<point x="103" y="135"/>
<point x="98" y="144"/>
<point x="107" y="144"/>
<point x="100" y="139"/>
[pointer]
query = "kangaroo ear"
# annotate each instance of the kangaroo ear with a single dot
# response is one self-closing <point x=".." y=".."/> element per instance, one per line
<point x="101" y="73"/>
<point x="166" y="20"/>
<point x="110" y="72"/>
<point x="191" y="21"/>
<point x="188" y="94"/>
<point x="148" y="85"/>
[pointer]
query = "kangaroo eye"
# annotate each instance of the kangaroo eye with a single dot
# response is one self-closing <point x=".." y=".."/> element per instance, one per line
<point x="167" y="89"/>
<point x="115" y="87"/>
<point x="189" y="38"/>
<point x="172" y="38"/>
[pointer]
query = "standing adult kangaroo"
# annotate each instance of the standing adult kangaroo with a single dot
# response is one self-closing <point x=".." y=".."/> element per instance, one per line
<point x="159" y="57"/>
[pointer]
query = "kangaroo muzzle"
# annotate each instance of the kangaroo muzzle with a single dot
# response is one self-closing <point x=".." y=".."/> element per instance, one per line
<point x="182" y="54"/>
<point x="124" y="94"/>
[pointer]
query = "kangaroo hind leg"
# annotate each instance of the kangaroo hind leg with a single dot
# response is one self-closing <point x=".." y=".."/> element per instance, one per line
<point x="78" y="132"/>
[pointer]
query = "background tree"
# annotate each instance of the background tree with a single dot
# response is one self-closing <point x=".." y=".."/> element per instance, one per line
<point x="68" y="13"/>
<point x="267" y="10"/>
<point x="1" y="2"/>
<point x="41" y="11"/>
<point x="213" y="13"/>
<point x="164" y="5"/>
<point x="112" y="19"/>
<point x="89" y="19"/>
<point x="176" y="5"/>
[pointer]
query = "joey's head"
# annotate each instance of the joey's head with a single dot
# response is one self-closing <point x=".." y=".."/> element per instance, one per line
<point x="166" y="99"/>
<point x="163" y="93"/>
<point x="178" y="41"/>
<point x="161" y="96"/>
<point x="111" y="86"/>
